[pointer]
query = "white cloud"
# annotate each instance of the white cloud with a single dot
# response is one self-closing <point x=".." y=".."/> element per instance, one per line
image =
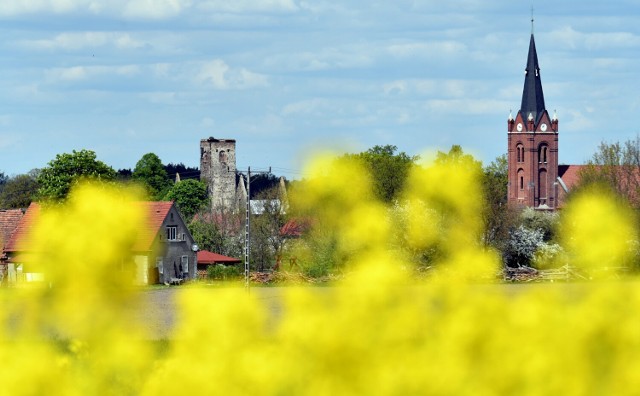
<point x="313" y="106"/>
<point x="465" y="106"/>
<point x="70" y="73"/>
<point x="80" y="40"/>
<point x="155" y="9"/>
<point x="138" y="9"/>
<point x="568" y="37"/>
<point x="330" y="58"/>
<point x="214" y="73"/>
<point x="78" y="73"/>
<point x="218" y="75"/>
<point x="19" y="7"/>
<point x="577" y="121"/>
<point x="243" y="6"/>
<point x="424" y="49"/>
<point x="449" y="88"/>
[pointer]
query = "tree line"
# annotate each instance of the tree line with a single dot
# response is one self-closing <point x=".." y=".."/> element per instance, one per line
<point x="523" y="237"/>
<point x="215" y="229"/>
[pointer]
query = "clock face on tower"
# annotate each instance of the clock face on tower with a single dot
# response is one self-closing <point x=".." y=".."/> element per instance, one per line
<point x="543" y="127"/>
<point x="519" y="127"/>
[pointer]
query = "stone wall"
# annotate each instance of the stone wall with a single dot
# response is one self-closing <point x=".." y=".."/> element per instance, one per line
<point x="218" y="170"/>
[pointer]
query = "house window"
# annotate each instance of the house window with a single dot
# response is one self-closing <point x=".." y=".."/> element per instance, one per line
<point x="172" y="233"/>
<point x="185" y="264"/>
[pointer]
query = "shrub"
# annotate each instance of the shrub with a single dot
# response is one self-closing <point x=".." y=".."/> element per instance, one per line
<point x="223" y="272"/>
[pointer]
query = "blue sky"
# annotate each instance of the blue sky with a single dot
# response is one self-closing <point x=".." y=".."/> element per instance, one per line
<point x="286" y="77"/>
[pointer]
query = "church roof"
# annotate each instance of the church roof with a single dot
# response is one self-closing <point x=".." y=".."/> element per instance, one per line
<point x="532" y="96"/>
<point x="570" y="174"/>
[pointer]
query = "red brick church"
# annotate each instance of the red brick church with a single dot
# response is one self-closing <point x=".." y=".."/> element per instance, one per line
<point x="535" y="178"/>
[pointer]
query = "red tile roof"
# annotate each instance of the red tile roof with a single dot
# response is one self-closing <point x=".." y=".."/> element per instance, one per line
<point x="570" y="174"/>
<point x="9" y="220"/>
<point x="23" y="228"/>
<point x="205" y="257"/>
<point x="157" y="212"/>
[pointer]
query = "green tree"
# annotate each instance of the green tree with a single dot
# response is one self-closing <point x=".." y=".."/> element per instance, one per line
<point x="151" y="173"/>
<point x="189" y="195"/>
<point x="615" y="167"/>
<point x="19" y="191"/>
<point x="267" y="240"/>
<point x="63" y="172"/>
<point x="219" y="231"/>
<point x="457" y="155"/>
<point x="388" y="169"/>
<point x="498" y="217"/>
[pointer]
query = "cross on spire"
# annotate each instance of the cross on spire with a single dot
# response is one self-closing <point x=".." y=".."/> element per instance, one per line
<point x="532" y="19"/>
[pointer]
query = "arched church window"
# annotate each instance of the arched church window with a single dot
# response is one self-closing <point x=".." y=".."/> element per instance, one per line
<point x="520" y="153"/>
<point x="542" y="154"/>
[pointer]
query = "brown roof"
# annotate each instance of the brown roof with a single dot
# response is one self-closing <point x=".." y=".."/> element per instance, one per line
<point x="157" y="212"/>
<point x="9" y="220"/>
<point x="206" y="257"/>
<point x="23" y="228"/>
<point x="570" y="174"/>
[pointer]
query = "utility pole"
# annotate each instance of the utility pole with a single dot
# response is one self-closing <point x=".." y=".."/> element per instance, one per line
<point x="247" y="224"/>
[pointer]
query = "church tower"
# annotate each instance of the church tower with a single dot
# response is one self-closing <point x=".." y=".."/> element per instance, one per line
<point x="533" y="145"/>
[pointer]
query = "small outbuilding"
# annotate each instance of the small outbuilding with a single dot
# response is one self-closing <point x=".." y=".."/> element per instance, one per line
<point x="206" y="258"/>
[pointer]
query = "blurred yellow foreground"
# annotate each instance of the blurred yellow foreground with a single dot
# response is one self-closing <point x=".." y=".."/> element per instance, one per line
<point x="376" y="333"/>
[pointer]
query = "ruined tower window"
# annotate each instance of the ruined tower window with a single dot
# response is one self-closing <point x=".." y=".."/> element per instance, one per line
<point x="223" y="157"/>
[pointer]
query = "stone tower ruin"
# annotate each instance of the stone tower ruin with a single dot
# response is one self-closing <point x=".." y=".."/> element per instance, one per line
<point x="218" y="171"/>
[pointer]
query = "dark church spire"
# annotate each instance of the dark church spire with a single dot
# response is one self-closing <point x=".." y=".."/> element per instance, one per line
<point x="532" y="96"/>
